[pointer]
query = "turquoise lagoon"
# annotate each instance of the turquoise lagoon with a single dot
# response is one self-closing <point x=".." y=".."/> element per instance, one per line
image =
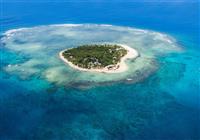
<point x="41" y="46"/>
<point x="43" y="98"/>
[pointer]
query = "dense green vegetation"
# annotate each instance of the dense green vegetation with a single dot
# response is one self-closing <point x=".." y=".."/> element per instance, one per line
<point x="95" y="56"/>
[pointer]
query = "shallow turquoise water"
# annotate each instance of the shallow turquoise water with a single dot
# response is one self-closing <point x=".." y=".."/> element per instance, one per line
<point x="164" y="105"/>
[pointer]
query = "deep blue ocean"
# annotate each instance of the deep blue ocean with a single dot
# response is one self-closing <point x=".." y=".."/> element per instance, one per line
<point x="164" y="106"/>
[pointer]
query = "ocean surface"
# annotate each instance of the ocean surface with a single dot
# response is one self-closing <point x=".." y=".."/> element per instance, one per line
<point x="164" y="105"/>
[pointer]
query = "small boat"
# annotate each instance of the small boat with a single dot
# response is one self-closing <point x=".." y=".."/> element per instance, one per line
<point x="129" y="79"/>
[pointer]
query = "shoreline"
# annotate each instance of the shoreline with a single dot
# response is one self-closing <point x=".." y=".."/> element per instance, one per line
<point x="121" y="66"/>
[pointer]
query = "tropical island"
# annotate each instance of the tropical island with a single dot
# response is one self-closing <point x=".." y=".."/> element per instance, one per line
<point x="107" y="58"/>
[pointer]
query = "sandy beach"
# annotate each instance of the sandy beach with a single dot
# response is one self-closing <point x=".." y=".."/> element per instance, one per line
<point x="121" y="66"/>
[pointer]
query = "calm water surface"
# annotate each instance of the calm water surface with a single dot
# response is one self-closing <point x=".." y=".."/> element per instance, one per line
<point x="166" y="105"/>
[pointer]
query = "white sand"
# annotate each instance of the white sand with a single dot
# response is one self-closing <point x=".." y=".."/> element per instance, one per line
<point x="131" y="54"/>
